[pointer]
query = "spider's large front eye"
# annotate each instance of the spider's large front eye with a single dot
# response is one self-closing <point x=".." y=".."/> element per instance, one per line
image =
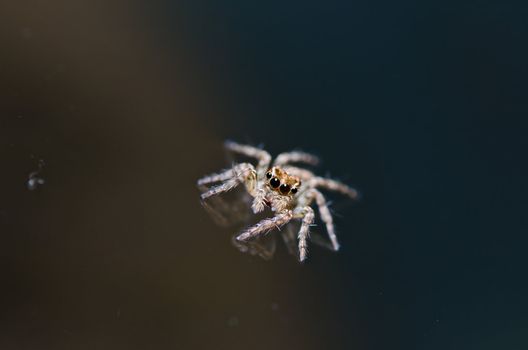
<point x="284" y="189"/>
<point x="274" y="182"/>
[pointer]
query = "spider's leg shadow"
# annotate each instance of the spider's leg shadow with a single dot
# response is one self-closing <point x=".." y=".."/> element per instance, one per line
<point x="264" y="246"/>
<point x="230" y="209"/>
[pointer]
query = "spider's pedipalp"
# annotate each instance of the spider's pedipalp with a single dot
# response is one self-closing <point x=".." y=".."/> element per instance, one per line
<point x="296" y="157"/>
<point x="259" y="201"/>
<point x="266" y="225"/>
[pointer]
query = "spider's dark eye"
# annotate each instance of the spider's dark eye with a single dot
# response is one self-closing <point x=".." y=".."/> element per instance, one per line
<point x="293" y="190"/>
<point x="268" y="175"/>
<point x="284" y="189"/>
<point x="274" y="182"/>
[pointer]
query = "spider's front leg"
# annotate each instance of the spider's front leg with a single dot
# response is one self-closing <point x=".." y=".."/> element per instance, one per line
<point x="266" y="225"/>
<point x="219" y="177"/>
<point x="263" y="157"/>
<point x="240" y="173"/>
<point x="307" y="215"/>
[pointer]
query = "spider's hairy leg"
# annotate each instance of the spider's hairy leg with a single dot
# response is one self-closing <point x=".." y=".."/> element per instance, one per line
<point x="307" y="215"/>
<point x="241" y="173"/>
<point x="265" y="226"/>
<point x="263" y="157"/>
<point x="219" y="210"/>
<point x="218" y="177"/>
<point x="334" y="185"/>
<point x="326" y="217"/>
<point x="296" y="157"/>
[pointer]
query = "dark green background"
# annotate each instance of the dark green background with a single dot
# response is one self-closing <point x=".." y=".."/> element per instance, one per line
<point x="421" y="105"/>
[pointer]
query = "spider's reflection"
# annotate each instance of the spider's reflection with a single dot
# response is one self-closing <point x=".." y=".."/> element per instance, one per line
<point x="234" y="211"/>
<point x="265" y="246"/>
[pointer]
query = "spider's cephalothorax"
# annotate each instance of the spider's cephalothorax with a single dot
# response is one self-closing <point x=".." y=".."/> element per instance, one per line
<point x="279" y="191"/>
<point x="283" y="183"/>
<point x="288" y="190"/>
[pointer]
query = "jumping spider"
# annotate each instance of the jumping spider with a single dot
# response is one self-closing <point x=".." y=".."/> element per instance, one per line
<point x="286" y="189"/>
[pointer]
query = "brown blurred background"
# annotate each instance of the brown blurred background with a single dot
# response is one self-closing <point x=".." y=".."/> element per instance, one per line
<point x="128" y="103"/>
<point x="114" y="251"/>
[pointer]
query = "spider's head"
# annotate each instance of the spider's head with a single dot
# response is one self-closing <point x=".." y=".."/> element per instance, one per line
<point x="281" y="182"/>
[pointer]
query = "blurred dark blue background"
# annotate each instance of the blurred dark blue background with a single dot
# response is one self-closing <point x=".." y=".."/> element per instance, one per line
<point x="421" y="106"/>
